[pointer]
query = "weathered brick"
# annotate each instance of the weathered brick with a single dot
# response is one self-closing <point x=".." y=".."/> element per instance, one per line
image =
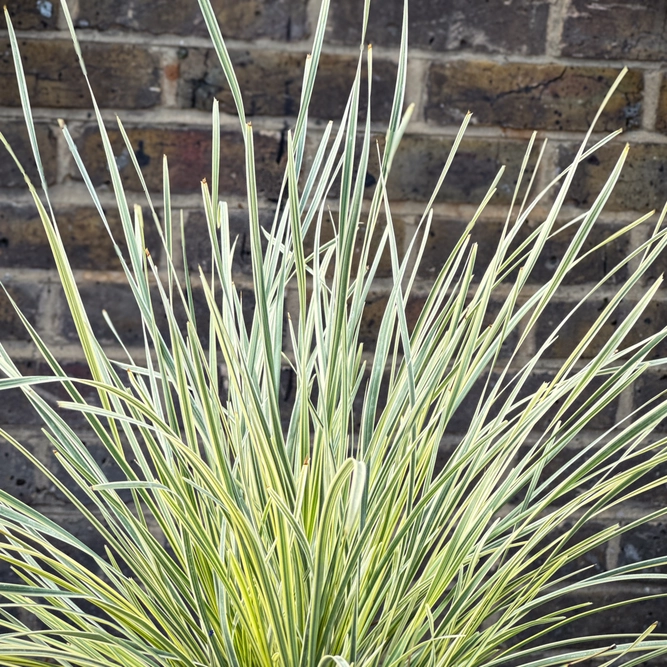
<point x="650" y="385"/>
<point x="652" y="320"/>
<point x="661" y="118"/>
<point x="523" y="96"/>
<point x="39" y="15"/>
<point x="447" y="25"/>
<point x="198" y="245"/>
<point x="117" y="300"/>
<point x="575" y="328"/>
<point x="119" y="303"/>
<point x="122" y="75"/>
<point x="16" y="135"/>
<point x="17" y="476"/>
<point x="626" y="29"/>
<point x="189" y="154"/>
<point x="23" y="242"/>
<point x="586" y="565"/>
<point x="274" y="19"/>
<point x="420" y="160"/>
<point x="641" y="186"/>
<point x="444" y="234"/>
<point x="26" y="296"/>
<point x="271" y="83"/>
<point x="618" y="621"/>
<point x="644" y="543"/>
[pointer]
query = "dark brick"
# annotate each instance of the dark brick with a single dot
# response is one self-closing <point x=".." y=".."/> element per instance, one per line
<point x="122" y="75"/>
<point x="23" y="242"/>
<point x="420" y="160"/>
<point x="641" y="186"/>
<point x="271" y="84"/>
<point x="26" y="295"/>
<point x="661" y="119"/>
<point x="576" y="327"/>
<point x="17" y="476"/>
<point x="444" y="234"/>
<point x="118" y="301"/>
<point x="626" y="29"/>
<point x="447" y="25"/>
<point x="198" y="245"/>
<point x="274" y="19"/>
<point x="602" y="420"/>
<point x="614" y="624"/>
<point x="644" y="543"/>
<point x="516" y="95"/>
<point x="16" y="135"/>
<point x="384" y="269"/>
<point x="651" y="321"/>
<point x="189" y="155"/>
<point x="647" y="388"/>
<point x="29" y="15"/>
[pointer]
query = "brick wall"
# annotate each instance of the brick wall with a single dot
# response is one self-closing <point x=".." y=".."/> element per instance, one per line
<point x="517" y="64"/>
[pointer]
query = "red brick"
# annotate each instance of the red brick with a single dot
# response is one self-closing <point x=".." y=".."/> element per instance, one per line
<point x="447" y="25"/>
<point x="271" y="83"/>
<point x="122" y="75"/>
<point x="627" y="29"/>
<point x="516" y="95"/>
<point x="16" y="135"/>
<point x="252" y="19"/>
<point x="28" y="15"/>
<point x="420" y="160"/>
<point x="641" y="186"/>
<point x="23" y="242"/>
<point x="189" y="155"/>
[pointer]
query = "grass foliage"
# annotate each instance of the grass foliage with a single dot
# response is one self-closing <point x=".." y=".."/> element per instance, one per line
<point x="236" y="538"/>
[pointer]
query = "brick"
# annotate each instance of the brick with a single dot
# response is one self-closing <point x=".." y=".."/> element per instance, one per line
<point x="17" y="476"/>
<point x="652" y="320"/>
<point x="661" y="118"/>
<point x="198" y="245"/>
<point x="616" y="622"/>
<point x="593" y="562"/>
<point x="420" y="160"/>
<point x="121" y="307"/>
<point x="576" y="327"/>
<point x="602" y="420"/>
<point x="516" y="95"/>
<point x="447" y="25"/>
<point x="16" y="135"/>
<point x="122" y="75"/>
<point x="650" y="385"/>
<point x="271" y="83"/>
<point x="444" y="234"/>
<point x="23" y="242"/>
<point x="189" y="155"/>
<point x="118" y="301"/>
<point x="40" y="15"/>
<point x="628" y="30"/>
<point x="26" y="295"/>
<point x="273" y="19"/>
<point x="641" y="185"/>
<point x="644" y="543"/>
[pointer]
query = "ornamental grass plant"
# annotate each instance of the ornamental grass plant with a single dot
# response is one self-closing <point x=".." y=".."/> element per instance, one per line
<point x="237" y="538"/>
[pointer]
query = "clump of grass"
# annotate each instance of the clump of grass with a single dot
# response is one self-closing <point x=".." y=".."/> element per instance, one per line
<point x="233" y="540"/>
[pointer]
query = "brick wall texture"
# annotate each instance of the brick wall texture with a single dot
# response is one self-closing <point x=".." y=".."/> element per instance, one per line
<point x="518" y="65"/>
